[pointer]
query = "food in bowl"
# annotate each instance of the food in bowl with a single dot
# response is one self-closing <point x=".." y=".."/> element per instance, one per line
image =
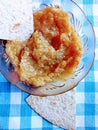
<point x="52" y="53"/>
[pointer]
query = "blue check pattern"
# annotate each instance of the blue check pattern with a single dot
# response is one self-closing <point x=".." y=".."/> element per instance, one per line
<point x="15" y="114"/>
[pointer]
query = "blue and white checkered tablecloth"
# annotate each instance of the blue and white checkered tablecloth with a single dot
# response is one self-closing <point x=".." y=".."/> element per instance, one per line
<point x="15" y="114"/>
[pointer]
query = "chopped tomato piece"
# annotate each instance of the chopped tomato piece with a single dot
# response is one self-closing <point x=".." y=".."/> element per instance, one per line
<point x="41" y="31"/>
<point x="53" y="67"/>
<point x="56" y="42"/>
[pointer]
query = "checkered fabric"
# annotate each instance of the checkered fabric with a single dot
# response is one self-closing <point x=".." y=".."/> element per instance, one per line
<point x="15" y="114"/>
<point x="87" y="89"/>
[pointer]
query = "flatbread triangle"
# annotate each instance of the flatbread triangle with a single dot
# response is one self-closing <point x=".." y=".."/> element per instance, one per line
<point x="59" y="110"/>
<point x="16" y="19"/>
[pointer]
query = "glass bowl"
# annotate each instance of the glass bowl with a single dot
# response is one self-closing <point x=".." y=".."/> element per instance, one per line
<point x="83" y="28"/>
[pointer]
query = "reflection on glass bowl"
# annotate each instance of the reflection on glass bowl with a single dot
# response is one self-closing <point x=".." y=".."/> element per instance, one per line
<point x="85" y="31"/>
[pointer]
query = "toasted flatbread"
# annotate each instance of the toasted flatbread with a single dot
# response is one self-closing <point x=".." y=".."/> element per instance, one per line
<point x="16" y="19"/>
<point x="59" y="110"/>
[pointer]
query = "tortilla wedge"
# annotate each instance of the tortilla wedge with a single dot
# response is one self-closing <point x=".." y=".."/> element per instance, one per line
<point x="16" y="19"/>
<point x="59" y="110"/>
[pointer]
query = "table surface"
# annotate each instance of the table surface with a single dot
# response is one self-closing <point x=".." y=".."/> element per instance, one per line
<point x="15" y="113"/>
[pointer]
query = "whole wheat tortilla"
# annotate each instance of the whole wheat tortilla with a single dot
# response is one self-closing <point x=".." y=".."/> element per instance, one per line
<point x="59" y="110"/>
<point x="16" y="19"/>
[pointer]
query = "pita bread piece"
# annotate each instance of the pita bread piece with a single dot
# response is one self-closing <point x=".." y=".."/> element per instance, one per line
<point x="59" y="110"/>
<point x="16" y="19"/>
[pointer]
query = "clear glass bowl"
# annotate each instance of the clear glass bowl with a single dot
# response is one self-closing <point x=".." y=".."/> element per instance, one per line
<point x="83" y="28"/>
